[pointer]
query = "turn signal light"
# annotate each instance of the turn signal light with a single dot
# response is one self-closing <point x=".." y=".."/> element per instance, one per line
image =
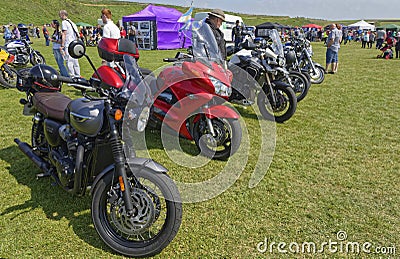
<point x="121" y="183"/>
<point x="118" y="115"/>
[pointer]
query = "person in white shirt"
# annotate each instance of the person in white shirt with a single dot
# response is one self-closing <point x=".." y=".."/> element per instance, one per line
<point x="110" y="30"/>
<point x="69" y="34"/>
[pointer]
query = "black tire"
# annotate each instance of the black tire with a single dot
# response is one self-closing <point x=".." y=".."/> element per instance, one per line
<point x="164" y="214"/>
<point x="37" y="58"/>
<point x="317" y="77"/>
<point x="224" y="144"/>
<point x="7" y="79"/>
<point x="300" y="84"/>
<point x="285" y="106"/>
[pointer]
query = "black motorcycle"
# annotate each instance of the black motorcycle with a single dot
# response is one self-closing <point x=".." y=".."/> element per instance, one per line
<point x="276" y="98"/>
<point x="136" y="208"/>
<point x="303" y="49"/>
<point x="24" y="53"/>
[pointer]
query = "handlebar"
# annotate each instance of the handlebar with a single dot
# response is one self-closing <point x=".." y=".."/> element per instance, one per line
<point x="171" y="59"/>
<point x="77" y="82"/>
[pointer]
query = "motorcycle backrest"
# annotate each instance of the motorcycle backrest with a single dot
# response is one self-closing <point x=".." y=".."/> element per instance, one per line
<point x="115" y="49"/>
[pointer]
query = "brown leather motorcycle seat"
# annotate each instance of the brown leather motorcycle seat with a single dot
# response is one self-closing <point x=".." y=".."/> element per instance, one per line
<point x="51" y="104"/>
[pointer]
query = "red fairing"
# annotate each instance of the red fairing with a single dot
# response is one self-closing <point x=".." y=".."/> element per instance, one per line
<point x="110" y="77"/>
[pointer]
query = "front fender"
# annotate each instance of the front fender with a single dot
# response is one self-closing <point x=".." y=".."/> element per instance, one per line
<point x="136" y="163"/>
<point x="319" y="65"/>
<point x="220" y="111"/>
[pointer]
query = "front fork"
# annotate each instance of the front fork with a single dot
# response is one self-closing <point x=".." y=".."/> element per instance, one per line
<point x="119" y="160"/>
<point x="209" y="122"/>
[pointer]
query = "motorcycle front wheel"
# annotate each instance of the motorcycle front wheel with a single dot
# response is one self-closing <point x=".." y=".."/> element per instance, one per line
<point x="299" y="83"/>
<point x="284" y="106"/>
<point x="8" y="77"/>
<point x="37" y="58"/>
<point x="317" y="77"/>
<point x="156" y="219"/>
<point x="228" y="135"/>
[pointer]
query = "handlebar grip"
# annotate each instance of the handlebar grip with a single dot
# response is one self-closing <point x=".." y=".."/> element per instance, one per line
<point x="71" y="80"/>
<point x="63" y="79"/>
<point x="170" y="59"/>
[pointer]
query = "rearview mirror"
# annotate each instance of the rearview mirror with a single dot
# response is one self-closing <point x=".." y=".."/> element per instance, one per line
<point x="76" y="49"/>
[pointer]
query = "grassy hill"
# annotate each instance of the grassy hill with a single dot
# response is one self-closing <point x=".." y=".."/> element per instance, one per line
<point x="43" y="11"/>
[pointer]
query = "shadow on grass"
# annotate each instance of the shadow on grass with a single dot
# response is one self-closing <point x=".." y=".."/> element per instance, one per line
<point x="49" y="197"/>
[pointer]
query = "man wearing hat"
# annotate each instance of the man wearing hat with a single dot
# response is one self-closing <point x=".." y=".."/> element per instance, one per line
<point x="214" y="20"/>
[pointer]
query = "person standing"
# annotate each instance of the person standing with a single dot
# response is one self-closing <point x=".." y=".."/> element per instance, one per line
<point x="58" y="52"/>
<point x="214" y="20"/>
<point x="237" y="34"/>
<point x="46" y="35"/>
<point x="69" y="34"/>
<point x="371" y="39"/>
<point x="16" y="33"/>
<point x="122" y="32"/>
<point x="380" y="38"/>
<point x="132" y="32"/>
<point x="110" y="30"/>
<point x="333" y="45"/>
<point x="37" y="31"/>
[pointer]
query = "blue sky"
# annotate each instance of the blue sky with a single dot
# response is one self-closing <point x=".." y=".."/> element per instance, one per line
<point x="322" y="9"/>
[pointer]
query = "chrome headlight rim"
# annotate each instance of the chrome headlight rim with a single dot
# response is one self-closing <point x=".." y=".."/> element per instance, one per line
<point x="220" y="88"/>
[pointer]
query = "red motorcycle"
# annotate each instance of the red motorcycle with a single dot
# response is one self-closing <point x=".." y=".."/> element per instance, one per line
<point x="191" y="97"/>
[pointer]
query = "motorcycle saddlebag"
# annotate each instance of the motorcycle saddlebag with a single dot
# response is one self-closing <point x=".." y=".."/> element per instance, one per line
<point x="114" y="49"/>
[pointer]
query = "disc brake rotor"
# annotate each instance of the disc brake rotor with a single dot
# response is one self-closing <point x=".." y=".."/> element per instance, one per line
<point x="143" y="217"/>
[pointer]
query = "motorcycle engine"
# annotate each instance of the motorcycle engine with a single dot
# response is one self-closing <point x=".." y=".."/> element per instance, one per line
<point x="21" y="59"/>
<point x="63" y="157"/>
<point x="65" y="166"/>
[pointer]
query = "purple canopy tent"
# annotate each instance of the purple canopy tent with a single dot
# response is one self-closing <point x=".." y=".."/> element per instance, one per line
<point x="160" y="27"/>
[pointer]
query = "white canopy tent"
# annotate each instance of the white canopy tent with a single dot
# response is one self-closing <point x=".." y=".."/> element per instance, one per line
<point x="362" y="25"/>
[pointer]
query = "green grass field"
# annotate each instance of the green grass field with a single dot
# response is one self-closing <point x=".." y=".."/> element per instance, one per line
<point x="335" y="168"/>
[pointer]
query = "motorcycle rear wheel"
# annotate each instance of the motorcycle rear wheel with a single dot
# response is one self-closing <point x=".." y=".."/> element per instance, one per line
<point x="285" y="105"/>
<point x="157" y="213"/>
<point x="224" y="144"/>
<point x="8" y="80"/>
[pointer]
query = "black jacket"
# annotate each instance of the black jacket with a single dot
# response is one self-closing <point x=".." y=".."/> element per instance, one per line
<point x="219" y="36"/>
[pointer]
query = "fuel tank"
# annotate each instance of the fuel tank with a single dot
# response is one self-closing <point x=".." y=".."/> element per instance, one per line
<point x="86" y="116"/>
<point x="110" y="77"/>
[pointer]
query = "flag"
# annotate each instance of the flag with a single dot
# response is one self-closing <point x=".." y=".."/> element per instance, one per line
<point x="186" y="17"/>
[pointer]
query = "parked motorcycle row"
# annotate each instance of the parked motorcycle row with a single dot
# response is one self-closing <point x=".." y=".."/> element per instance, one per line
<point x="14" y="55"/>
<point x="285" y="73"/>
<point x="136" y="207"/>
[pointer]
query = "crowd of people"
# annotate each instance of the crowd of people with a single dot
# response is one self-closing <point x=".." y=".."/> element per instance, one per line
<point x="67" y="31"/>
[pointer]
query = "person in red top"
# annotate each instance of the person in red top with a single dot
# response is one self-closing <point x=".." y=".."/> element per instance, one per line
<point x="123" y="32"/>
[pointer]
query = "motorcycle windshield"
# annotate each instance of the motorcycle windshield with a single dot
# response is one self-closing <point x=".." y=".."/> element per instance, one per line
<point x="136" y="88"/>
<point x="204" y="43"/>
<point x="276" y="44"/>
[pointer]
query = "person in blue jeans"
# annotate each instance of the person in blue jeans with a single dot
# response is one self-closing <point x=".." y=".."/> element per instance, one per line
<point x="46" y="35"/>
<point x="57" y="49"/>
